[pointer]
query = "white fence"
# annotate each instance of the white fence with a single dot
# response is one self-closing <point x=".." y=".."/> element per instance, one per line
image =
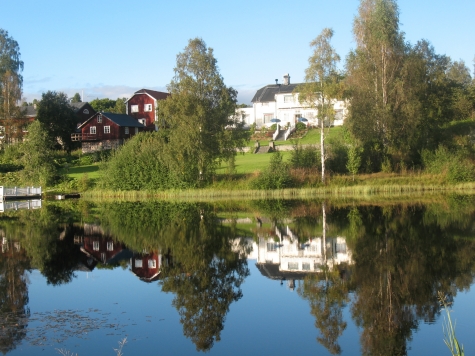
<point x="24" y="204"/>
<point x="7" y="192"/>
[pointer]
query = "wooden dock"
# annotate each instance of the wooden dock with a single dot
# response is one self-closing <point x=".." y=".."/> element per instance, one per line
<point x="19" y="193"/>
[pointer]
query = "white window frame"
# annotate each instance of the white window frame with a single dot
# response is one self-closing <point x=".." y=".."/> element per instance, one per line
<point x="85" y="111"/>
<point x="148" y="108"/>
<point x="92" y="130"/>
<point x="293" y="266"/>
<point x="107" y="129"/>
<point x="288" y="98"/>
<point x="152" y="263"/>
<point x="96" y="246"/>
<point x="126" y="130"/>
<point x="138" y="263"/>
<point x="134" y="108"/>
<point x="143" y="121"/>
<point x="99" y="119"/>
<point x="110" y="245"/>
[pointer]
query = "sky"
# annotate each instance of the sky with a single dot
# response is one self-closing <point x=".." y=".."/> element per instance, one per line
<point x="112" y="48"/>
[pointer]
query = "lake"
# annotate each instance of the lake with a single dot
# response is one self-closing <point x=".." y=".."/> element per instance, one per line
<point x="231" y="278"/>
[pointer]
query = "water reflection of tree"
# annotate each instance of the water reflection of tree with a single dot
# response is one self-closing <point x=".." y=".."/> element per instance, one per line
<point x="328" y="295"/>
<point x="207" y="270"/>
<point x="14" y="311"/>
<point x="400" y="264"/>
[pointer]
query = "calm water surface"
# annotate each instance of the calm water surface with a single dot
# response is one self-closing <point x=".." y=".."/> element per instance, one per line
<point x="254" y="278"/>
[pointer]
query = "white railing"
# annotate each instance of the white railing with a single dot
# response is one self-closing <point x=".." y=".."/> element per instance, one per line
<point x="289" y="132"/>
<point x="15" y="205"/>
<point x="19" y="192"/>
<point x="276" y="133"/>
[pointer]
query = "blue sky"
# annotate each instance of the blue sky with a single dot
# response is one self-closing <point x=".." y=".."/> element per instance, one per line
<point x="111" y="48"/>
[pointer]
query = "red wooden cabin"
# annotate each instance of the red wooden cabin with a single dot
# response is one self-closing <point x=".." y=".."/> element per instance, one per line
<point x="143" y="104"/>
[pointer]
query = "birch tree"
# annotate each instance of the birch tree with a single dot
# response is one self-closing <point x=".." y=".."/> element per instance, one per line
<point x="321" y="85"/>
<point x="11" y="83"/>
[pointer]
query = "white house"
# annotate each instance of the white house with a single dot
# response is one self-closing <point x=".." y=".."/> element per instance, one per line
<point x="279" y="101"/>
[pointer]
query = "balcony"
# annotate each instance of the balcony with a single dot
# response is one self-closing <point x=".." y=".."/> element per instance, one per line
<point x="79" y="137"/>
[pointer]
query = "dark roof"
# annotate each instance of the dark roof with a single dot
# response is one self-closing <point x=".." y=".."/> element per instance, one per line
<point x="267" y="93"/>
<point x="272" y="271"/>
<point x="29" y="110"/>
<point x="159" y="95"/>
<point x="119" y="119"/>
<point x="77" y="106"/>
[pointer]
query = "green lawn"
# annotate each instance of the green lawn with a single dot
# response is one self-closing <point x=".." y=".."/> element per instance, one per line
<point x="77" y="172"/>
<point x="311" y="137"/>
<point x="250" y="163"/>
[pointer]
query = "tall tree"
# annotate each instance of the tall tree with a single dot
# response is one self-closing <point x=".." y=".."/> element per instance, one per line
<point x="321" y="85"/>
<point x="57" y="117"/>
<point x="196" y="116"/>
<point x="11" y="83"/>
<point x="373" y="70"/>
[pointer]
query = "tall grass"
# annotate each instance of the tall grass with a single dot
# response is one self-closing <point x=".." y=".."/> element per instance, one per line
<point x="456" y="349"/>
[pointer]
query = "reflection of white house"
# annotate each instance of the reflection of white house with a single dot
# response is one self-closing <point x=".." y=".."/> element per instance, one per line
<point x="279" y="101"/>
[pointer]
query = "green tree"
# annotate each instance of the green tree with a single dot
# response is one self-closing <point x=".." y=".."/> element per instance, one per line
<point x="321" y="85"/>
<point x="373" y="70"/>
<point x="196" y="117"/>
<point x="57" y="117"/>
<point x="11" y="81"/>
<point x="76" y="98"/>
<point x="38" y="157"/>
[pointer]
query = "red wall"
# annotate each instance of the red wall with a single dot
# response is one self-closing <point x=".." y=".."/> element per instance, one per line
<point x="141" y="100"/>
<point x="115" y="130"/>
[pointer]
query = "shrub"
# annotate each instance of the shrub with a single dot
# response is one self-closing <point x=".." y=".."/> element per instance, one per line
<point x="304" y="157"/>
<point x="276" y="176"/>
<point x="454" y="164"/>
<point x="300" y="126"/>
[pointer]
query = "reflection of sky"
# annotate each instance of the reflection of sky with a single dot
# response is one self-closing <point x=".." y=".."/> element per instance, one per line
<point x="269" y="319"/>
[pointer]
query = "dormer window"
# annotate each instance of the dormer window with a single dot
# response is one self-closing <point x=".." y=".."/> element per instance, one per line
<point x="85" y="111"/>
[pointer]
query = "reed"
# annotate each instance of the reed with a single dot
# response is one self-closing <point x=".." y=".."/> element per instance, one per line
<point x="449" y="329"/>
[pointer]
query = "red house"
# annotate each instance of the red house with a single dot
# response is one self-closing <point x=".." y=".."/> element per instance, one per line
<point x="143" y="104"/>
<point x="104" y="131"/>
<point x="146" y="266"/>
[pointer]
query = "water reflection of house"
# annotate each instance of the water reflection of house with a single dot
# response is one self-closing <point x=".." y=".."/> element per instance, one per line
<point x="100" y="247"/>
<point x="284" y="257"/>
<point x="146" y="265"/>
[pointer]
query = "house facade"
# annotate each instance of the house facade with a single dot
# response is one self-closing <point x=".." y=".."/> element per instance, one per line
<point x="104" y="131"/>
<point x="142" y="106"/>
<point x="83" y="111"/>
<point x="280" y="101"/>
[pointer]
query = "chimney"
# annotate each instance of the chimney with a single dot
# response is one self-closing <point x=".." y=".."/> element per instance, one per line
<point x="286" y="79"/>
<point x="277" y="82"/>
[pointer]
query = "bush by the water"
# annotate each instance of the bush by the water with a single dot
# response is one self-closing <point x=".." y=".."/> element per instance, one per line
<point x="304" y="156"/>
<point x="457" y="167"/>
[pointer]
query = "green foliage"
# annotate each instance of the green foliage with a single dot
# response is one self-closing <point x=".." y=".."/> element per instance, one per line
<point x="455" y="165"/>
<point x="108" y="105"/>
<point x="300" y="126"/>
<point x="76" y="98"/>
<point x="276" y="176"/>
<point x="138" y="166"/>
<point x="354" y="159"/>
<point x="304" y="156"/>
<point x="38" y="157"/>
<point x="58" y="118"/>
<point x="195" y="119"/>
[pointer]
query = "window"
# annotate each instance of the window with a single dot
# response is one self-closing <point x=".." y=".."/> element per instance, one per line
<point x="110" y="246"/>
<point x="306" y="266"/>
<point x="107" y="129"/>
<point x="95" y="245"/>
<point x="340" y="248"/>
<point x="136" y="130"/>
<point x="85" y="111"/>
<point x="138" y="263"/>
<point x="152" y="263"/>
<point x="103" y="257"/>
<point x="92" y="130"/>
<point x="148" y="107"/>
<point x="271" y="246"/>
<point x="142" y="121"/>
<point x="267" y="118"/>
<point x="288" y="98"/>
<point x="126" y="130"/>
<point x="99" y="118"/>
<point x="293" y="265"/>
<point x="134" y="108"/>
